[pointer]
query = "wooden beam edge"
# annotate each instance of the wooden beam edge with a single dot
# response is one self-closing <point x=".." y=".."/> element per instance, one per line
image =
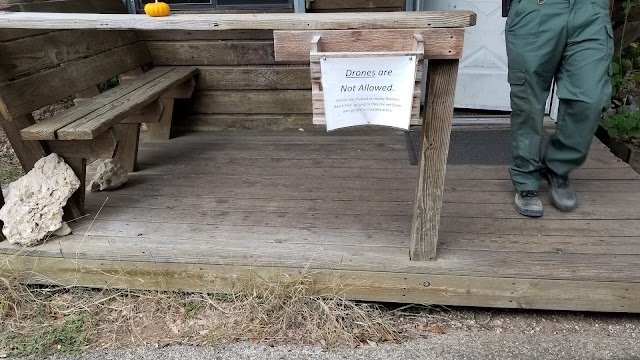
<point x="267" y="21"/>
<point x="354" y="285"/>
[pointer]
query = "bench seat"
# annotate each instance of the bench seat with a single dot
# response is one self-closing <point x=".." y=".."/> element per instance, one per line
<point x="92" y="117"/>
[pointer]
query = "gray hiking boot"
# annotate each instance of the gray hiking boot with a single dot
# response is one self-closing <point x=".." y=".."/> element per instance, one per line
<point x="528" y="203"/>
<point x="563" y="197"/>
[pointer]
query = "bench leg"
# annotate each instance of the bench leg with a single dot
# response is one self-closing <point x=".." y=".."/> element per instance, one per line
<point x="436" y="134"/>
<point x="128" y="136"/>
<point x="28" y="152"/>
<point x="75" y="205"/>
<point x="162" y="129"/>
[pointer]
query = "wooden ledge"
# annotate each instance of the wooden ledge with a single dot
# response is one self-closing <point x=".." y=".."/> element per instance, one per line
<point x="286" y="21"/>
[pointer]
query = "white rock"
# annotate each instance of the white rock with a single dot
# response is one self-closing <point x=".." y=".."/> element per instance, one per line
<point x="33" y="209"/>
<point x="109" y="175"/>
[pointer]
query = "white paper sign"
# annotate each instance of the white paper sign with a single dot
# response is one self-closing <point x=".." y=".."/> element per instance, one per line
<point x="368" y="91"/>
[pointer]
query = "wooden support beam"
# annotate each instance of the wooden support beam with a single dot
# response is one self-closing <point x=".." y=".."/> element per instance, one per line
<point x="293" y="46"/>
<point x="182" y="91"/>
<point x="28" y="152"/>
<point x="436" y="134"/>
<point x="75" y="205"/>
<point x="162" y="130"/>
<point x="271" y="21"/>
<point x="127" y="152"/>
<point x="102" y="147"/>
<point x="86" y="95"/>
<point x="149" y="114"/>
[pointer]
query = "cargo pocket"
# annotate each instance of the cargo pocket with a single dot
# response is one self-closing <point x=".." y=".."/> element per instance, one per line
<point x="515" y="77"/>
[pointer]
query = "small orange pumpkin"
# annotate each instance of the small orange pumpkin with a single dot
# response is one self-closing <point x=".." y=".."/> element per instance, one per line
<point x="157" y="8"/>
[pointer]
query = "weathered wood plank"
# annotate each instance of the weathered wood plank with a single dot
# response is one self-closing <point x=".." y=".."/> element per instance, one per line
<point x="162" y="129"/>
<point x="357" y="285"/>
<point x="28" y="152"/>
<point x="181" y="91"/>
<point x="598" y="209"/>
<point x="100" y="120"/>
<point x="14" y="34"/>
<point x="45" y="130"/>
<point x="70" y="6"/>
<point x="253" y="102"/>
<point x="102" y="147"/>
<point x="293" y="46"/>
<point x="514" y="265"/>
<point x="26" y="95"/>
<point x="255" y="167"/>
<point x="355" y="4"/>
<point x="36" y="53"/>
<point x="353" y="10"/>
<point x="436" y="134"/>
<point x="128" y="136"/>
<point x="204" y="53"/>
<point x="254" y="78"/>
<point x="275" y="191"/>
<point x="631" y="35"/>
<point x="188" y="35"/>
<point x="275" y="21"/>
<point x="270" y="122"/>
<point x="149" y="114"/>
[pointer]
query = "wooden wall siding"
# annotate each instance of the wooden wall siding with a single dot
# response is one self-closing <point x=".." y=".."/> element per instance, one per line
<point x="356" y="5"/>
<point x="27" y="94"/>
<point x="71" y="6"/>
<point x="239" y="85"/>
<point x="27" y="55"/>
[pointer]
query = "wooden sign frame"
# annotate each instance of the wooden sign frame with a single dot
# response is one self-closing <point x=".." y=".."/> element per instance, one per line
<point x="317" y="94"/>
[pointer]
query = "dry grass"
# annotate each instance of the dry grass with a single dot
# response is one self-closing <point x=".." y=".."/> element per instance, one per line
<point x="282" y="309"/>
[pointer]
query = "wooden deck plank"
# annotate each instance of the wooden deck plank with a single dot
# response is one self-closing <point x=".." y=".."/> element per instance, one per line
<point x="222" y="220"/>
<point x="457" y="171"/>
<point x="391" y="223"/>
<point x="351" y="207"/>
<point x="270" y="191"/>
<point x="575" y="267"/>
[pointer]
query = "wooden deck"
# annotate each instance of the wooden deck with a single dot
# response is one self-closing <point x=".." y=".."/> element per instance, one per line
<point x="208" y="209"/>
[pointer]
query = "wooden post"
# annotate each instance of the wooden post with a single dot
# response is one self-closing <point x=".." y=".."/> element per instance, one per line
<point x="128" y="136"/>
<point x="75" y="205"/>
<point x="28" y="152"/>
<point x="436" y="134"/>
<point x="162" y="130"/>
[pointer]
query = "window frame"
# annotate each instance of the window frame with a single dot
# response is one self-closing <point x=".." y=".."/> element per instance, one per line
<point x="213" y="5"/>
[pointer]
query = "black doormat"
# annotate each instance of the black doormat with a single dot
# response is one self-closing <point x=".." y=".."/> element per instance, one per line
<point x="469" y="147"/>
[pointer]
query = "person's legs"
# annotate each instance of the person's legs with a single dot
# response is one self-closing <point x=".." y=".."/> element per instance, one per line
<point x="535" y="36"/>
<point x="584" y="90"/>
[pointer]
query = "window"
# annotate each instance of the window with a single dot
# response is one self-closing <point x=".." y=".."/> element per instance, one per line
<point x="225" y="4"/>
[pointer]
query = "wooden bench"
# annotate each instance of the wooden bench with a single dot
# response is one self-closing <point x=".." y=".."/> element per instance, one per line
<point x="43" y="69"/>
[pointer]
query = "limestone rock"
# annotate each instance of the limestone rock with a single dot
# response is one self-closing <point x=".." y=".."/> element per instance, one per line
<point x="111" y="174"/>
<point x="33" y="209"/>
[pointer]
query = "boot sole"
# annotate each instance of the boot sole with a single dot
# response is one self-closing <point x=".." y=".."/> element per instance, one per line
<point x="562" y="207"/>
<point x="528" y="213"/>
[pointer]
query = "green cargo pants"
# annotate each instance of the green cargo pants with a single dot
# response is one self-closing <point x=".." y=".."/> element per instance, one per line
<point x="571" y="40"/>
